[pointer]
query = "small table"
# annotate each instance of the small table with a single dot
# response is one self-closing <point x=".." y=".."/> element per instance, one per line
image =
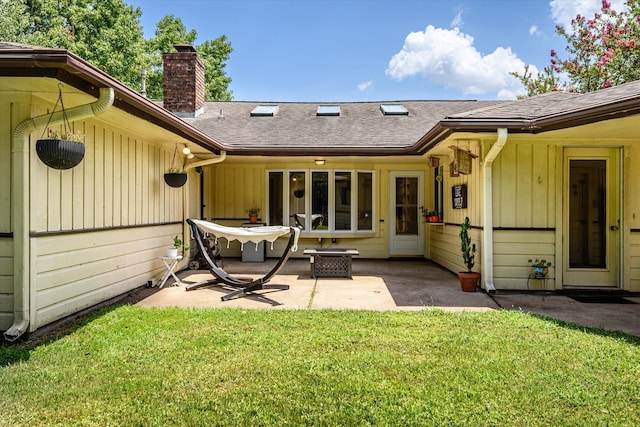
<point x="330" y="262"/>
<point x="170" y="262"/>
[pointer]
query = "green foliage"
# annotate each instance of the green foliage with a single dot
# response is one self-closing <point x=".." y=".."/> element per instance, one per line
<point x="214" y="53"/>
<point x="235" y="367"/>
<point x="603" y="51"/>
<point x="468" y="249"/>
<point x="539" y="262"/>
<point x="108" y="34"/>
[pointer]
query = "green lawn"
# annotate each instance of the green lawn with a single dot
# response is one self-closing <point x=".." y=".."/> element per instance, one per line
<point x="135" y="366"/>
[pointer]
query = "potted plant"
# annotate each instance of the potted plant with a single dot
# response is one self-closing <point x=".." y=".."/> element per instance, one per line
<point x="468" y="279"/>
<point x="175" y="177"/>
<point x="60" y="149"/>
<point x="253" y="214"/>
<point x="177" y="243"/>
<point x="539" y="268"/>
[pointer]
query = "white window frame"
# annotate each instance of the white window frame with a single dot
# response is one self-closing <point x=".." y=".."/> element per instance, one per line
<point x="330" y="222"/>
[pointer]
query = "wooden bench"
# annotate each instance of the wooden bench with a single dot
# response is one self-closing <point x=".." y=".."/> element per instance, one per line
<point x="330" y="262"/>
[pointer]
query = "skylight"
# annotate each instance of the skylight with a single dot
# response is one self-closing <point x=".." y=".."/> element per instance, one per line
<point x="394" y="110"/>
<point x="328" y="110"/>
<point x="265" y="110"/>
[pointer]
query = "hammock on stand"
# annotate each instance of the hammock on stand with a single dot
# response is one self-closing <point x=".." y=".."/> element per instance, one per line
<point x="242" y="285"/>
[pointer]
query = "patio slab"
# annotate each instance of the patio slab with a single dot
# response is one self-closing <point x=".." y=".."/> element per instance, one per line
<point x="387" y="285"/>
<point x="375" y="285"/>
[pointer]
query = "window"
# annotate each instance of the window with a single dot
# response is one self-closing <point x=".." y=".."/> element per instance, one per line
<point x="321" y="201"/>
<point x="328" y="110"/>
<point x="265" y="110"/>
<point x="394" y="110"/>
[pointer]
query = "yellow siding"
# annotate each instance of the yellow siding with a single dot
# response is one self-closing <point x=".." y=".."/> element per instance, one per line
<point x="633" y="273"/>
<point x="120" y="182"/>
<point x="444" y="242"/>
<point x="513" y="248"/>
<point x="76" y="271"/>
<point x="6" y="283"/>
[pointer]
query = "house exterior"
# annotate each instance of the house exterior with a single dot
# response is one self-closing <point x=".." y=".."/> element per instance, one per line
<point x="547" y="177"/>
<point x="71" y="239"/>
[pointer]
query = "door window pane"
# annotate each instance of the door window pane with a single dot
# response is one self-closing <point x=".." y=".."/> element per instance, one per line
<point x="343" y="201"/>
<point x="365" y="201"/>
<point x="297" y="205"/>
<point x="276" y="204"/>
<point x="319" y="200"/>
<point x="407" y="205"/>
<point x="587" y="213"/>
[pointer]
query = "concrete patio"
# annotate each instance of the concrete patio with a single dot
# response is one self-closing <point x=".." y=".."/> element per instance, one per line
<point x="385" y="285"/>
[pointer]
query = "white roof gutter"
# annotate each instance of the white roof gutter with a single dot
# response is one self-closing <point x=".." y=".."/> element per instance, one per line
<point x="20" y="203"/>
<point x="487" y="210"/>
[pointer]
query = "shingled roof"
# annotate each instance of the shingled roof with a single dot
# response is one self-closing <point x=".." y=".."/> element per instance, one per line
<point x="296" y="129"/>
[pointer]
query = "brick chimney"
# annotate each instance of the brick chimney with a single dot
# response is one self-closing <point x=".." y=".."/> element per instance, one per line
<point x="183" y="82"/>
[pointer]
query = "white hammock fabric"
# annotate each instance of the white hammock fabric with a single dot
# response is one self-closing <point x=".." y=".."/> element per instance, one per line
<point x="248" y="234"/>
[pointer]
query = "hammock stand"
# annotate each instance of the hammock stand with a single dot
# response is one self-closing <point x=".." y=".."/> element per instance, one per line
<point x="241" y="285"/>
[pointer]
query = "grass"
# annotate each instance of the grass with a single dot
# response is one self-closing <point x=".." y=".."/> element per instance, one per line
<point x="192" y="367"/>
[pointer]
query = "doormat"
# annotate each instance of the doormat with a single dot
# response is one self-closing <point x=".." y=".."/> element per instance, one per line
<point x="601" y="299"/>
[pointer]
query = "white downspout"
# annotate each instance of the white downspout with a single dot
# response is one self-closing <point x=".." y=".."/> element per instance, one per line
<point x="487" y="210"/>
<point x="20" y="173"/>
<point x="186" y="230"/>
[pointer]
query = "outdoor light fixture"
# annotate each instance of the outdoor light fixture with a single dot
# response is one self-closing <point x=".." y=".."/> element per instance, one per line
<point x="190" y="155"/>
<point x="319" y="162"/>
<point x="186" y="151"/>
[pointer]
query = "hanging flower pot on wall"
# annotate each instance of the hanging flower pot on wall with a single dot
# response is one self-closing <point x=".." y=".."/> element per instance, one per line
<point x="60" y="153"/>
<point x="176" y="176"/>
<point x="175" y="179"/>
<point x="60" y="149"/>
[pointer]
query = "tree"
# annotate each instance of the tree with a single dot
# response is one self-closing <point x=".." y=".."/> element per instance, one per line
<point x="603" y="51"/>
<point x="108" y="34"/>
<point x="214" y="53"/>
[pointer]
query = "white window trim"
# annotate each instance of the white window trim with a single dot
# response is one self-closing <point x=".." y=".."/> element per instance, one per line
<point x="331" y="190"/>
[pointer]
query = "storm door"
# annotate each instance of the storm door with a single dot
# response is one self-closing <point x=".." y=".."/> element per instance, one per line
<point x="405" y="229"/>
<point x="591" y="237"/>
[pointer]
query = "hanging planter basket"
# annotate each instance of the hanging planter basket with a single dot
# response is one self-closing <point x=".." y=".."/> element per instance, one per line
<point x="176" y="176"/>
<point x="175" y="179"/>
<point x="60" y="153"/>
<point x="60" y="149"/>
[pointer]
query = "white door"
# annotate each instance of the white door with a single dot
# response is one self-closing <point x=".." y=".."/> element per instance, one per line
<point x="591" y="230"/>
<point x="406" y="191"/>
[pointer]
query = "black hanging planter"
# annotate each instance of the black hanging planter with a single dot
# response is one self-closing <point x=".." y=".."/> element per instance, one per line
<point x="60" y="153"/>
<point x="175" y="179"/>
<point x="60" y="149"/>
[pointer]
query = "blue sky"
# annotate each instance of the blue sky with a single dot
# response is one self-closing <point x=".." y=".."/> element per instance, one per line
<point x="375" y="50"/>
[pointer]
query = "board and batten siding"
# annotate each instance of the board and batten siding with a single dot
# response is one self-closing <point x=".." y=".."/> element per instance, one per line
<point x="237" y="184"/>
<point x="120" y="182"/>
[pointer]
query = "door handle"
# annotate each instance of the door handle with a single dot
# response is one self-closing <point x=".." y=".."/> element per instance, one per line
<point x="614" y="228"/>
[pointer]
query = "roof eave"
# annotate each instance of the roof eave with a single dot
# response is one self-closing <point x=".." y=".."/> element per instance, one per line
<point x="75" y="71"/>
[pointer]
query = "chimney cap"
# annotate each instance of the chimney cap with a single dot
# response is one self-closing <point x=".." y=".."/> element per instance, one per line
<point x="184" y="47"/>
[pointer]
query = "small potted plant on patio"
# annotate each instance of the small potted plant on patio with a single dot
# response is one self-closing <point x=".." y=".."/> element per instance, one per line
<point x="253" y="214"/>
<point x="539" y="267"/>
<point x="177" y="243"/>
<point x="468" y="279"/>
<point x="60" y="149"/>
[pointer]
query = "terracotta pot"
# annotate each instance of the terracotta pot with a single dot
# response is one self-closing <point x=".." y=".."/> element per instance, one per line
<point x="434" y="218"/>
<point x="468" y="280"/>
<point x="253" y="218"/>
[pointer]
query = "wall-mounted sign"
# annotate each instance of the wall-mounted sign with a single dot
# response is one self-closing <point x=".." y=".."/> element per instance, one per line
<point x="459" y="196"/>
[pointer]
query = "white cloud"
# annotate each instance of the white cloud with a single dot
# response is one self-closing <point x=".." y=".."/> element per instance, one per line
<point x="563" y="11"/>
<point x="457" y="20"/>
<point x="533" y="30"/>
<point x="448" y="57"/>
<point x="365" y="85"/>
